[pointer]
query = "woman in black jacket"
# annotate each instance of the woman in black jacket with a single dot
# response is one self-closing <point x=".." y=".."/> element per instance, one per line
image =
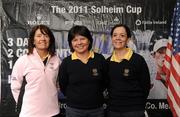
<point x="129" y="79"/>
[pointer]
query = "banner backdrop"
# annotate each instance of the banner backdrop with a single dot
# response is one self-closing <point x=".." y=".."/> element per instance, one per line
<point x="149" y="21"/>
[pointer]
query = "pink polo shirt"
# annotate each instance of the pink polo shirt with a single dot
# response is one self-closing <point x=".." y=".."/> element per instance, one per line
<point x="40" y="96"/>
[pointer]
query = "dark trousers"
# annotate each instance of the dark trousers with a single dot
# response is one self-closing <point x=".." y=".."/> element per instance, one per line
<point x="74" y="112"/>
<point x="126" y="114"/>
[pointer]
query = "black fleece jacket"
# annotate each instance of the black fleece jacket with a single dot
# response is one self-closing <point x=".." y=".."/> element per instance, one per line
<point x="129" y="84"/>
<point x="83" y="84"/>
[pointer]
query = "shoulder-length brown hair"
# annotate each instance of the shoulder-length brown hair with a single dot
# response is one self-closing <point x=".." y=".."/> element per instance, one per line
<point x="44" y="30"/>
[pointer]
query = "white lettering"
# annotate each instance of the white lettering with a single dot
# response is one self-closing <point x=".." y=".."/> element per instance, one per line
<point x="22" y="42"/>
<point x="163" y="105"/>
<point x="130" y="9"/>
<point x="105" y="9"/>
<point x="56" y="9"/>
<point x="150" y="106"/>
<point x="10" y="42"/>
<point x="20" y="52"/>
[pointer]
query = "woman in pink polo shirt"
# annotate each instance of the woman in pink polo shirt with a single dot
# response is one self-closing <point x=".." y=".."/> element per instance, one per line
<point x="39" y="67"/>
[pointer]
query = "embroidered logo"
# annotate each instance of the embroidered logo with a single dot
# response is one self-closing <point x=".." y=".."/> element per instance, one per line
<point x="95" y="72"/>
<point x="51" y="66"/>
<point x="126" y="72"/>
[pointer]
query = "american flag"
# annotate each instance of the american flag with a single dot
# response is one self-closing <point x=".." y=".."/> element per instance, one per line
<point x="172" y="63"/>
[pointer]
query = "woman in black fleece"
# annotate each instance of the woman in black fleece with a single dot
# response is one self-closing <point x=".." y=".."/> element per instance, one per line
<point x="82" y="76"/>
<point x="129" y="79"/>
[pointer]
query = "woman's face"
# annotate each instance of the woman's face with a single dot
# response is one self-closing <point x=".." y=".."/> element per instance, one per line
<point x="119" y="38"/>
<point x="80" y="44"/>
<point x="41" y="41"/>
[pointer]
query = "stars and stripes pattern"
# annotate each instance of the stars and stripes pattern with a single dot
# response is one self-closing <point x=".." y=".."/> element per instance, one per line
<point x="172" y="63"/>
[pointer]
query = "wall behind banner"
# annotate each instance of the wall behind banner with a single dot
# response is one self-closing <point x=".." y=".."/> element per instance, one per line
<point x="149" y="21"/>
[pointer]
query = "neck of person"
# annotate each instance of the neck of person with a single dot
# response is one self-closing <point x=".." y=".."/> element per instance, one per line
<point x="83" y="56"/>
<point x="43" y="53"/>
<point x="120" y="52"/>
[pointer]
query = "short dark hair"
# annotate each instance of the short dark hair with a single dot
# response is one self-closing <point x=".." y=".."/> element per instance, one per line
<point x="128" y="31"/>
<point x="79" y="30"/>
<point x="44" y="30"/>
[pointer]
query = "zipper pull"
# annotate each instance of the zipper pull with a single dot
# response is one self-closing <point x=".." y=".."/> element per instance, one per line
<point x="16" y="108"/>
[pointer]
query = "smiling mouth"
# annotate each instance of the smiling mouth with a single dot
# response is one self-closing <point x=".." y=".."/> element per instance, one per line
<point x="43" y="43"/>
<point x="118" y="42"/>
<point x="80" y="46"/>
